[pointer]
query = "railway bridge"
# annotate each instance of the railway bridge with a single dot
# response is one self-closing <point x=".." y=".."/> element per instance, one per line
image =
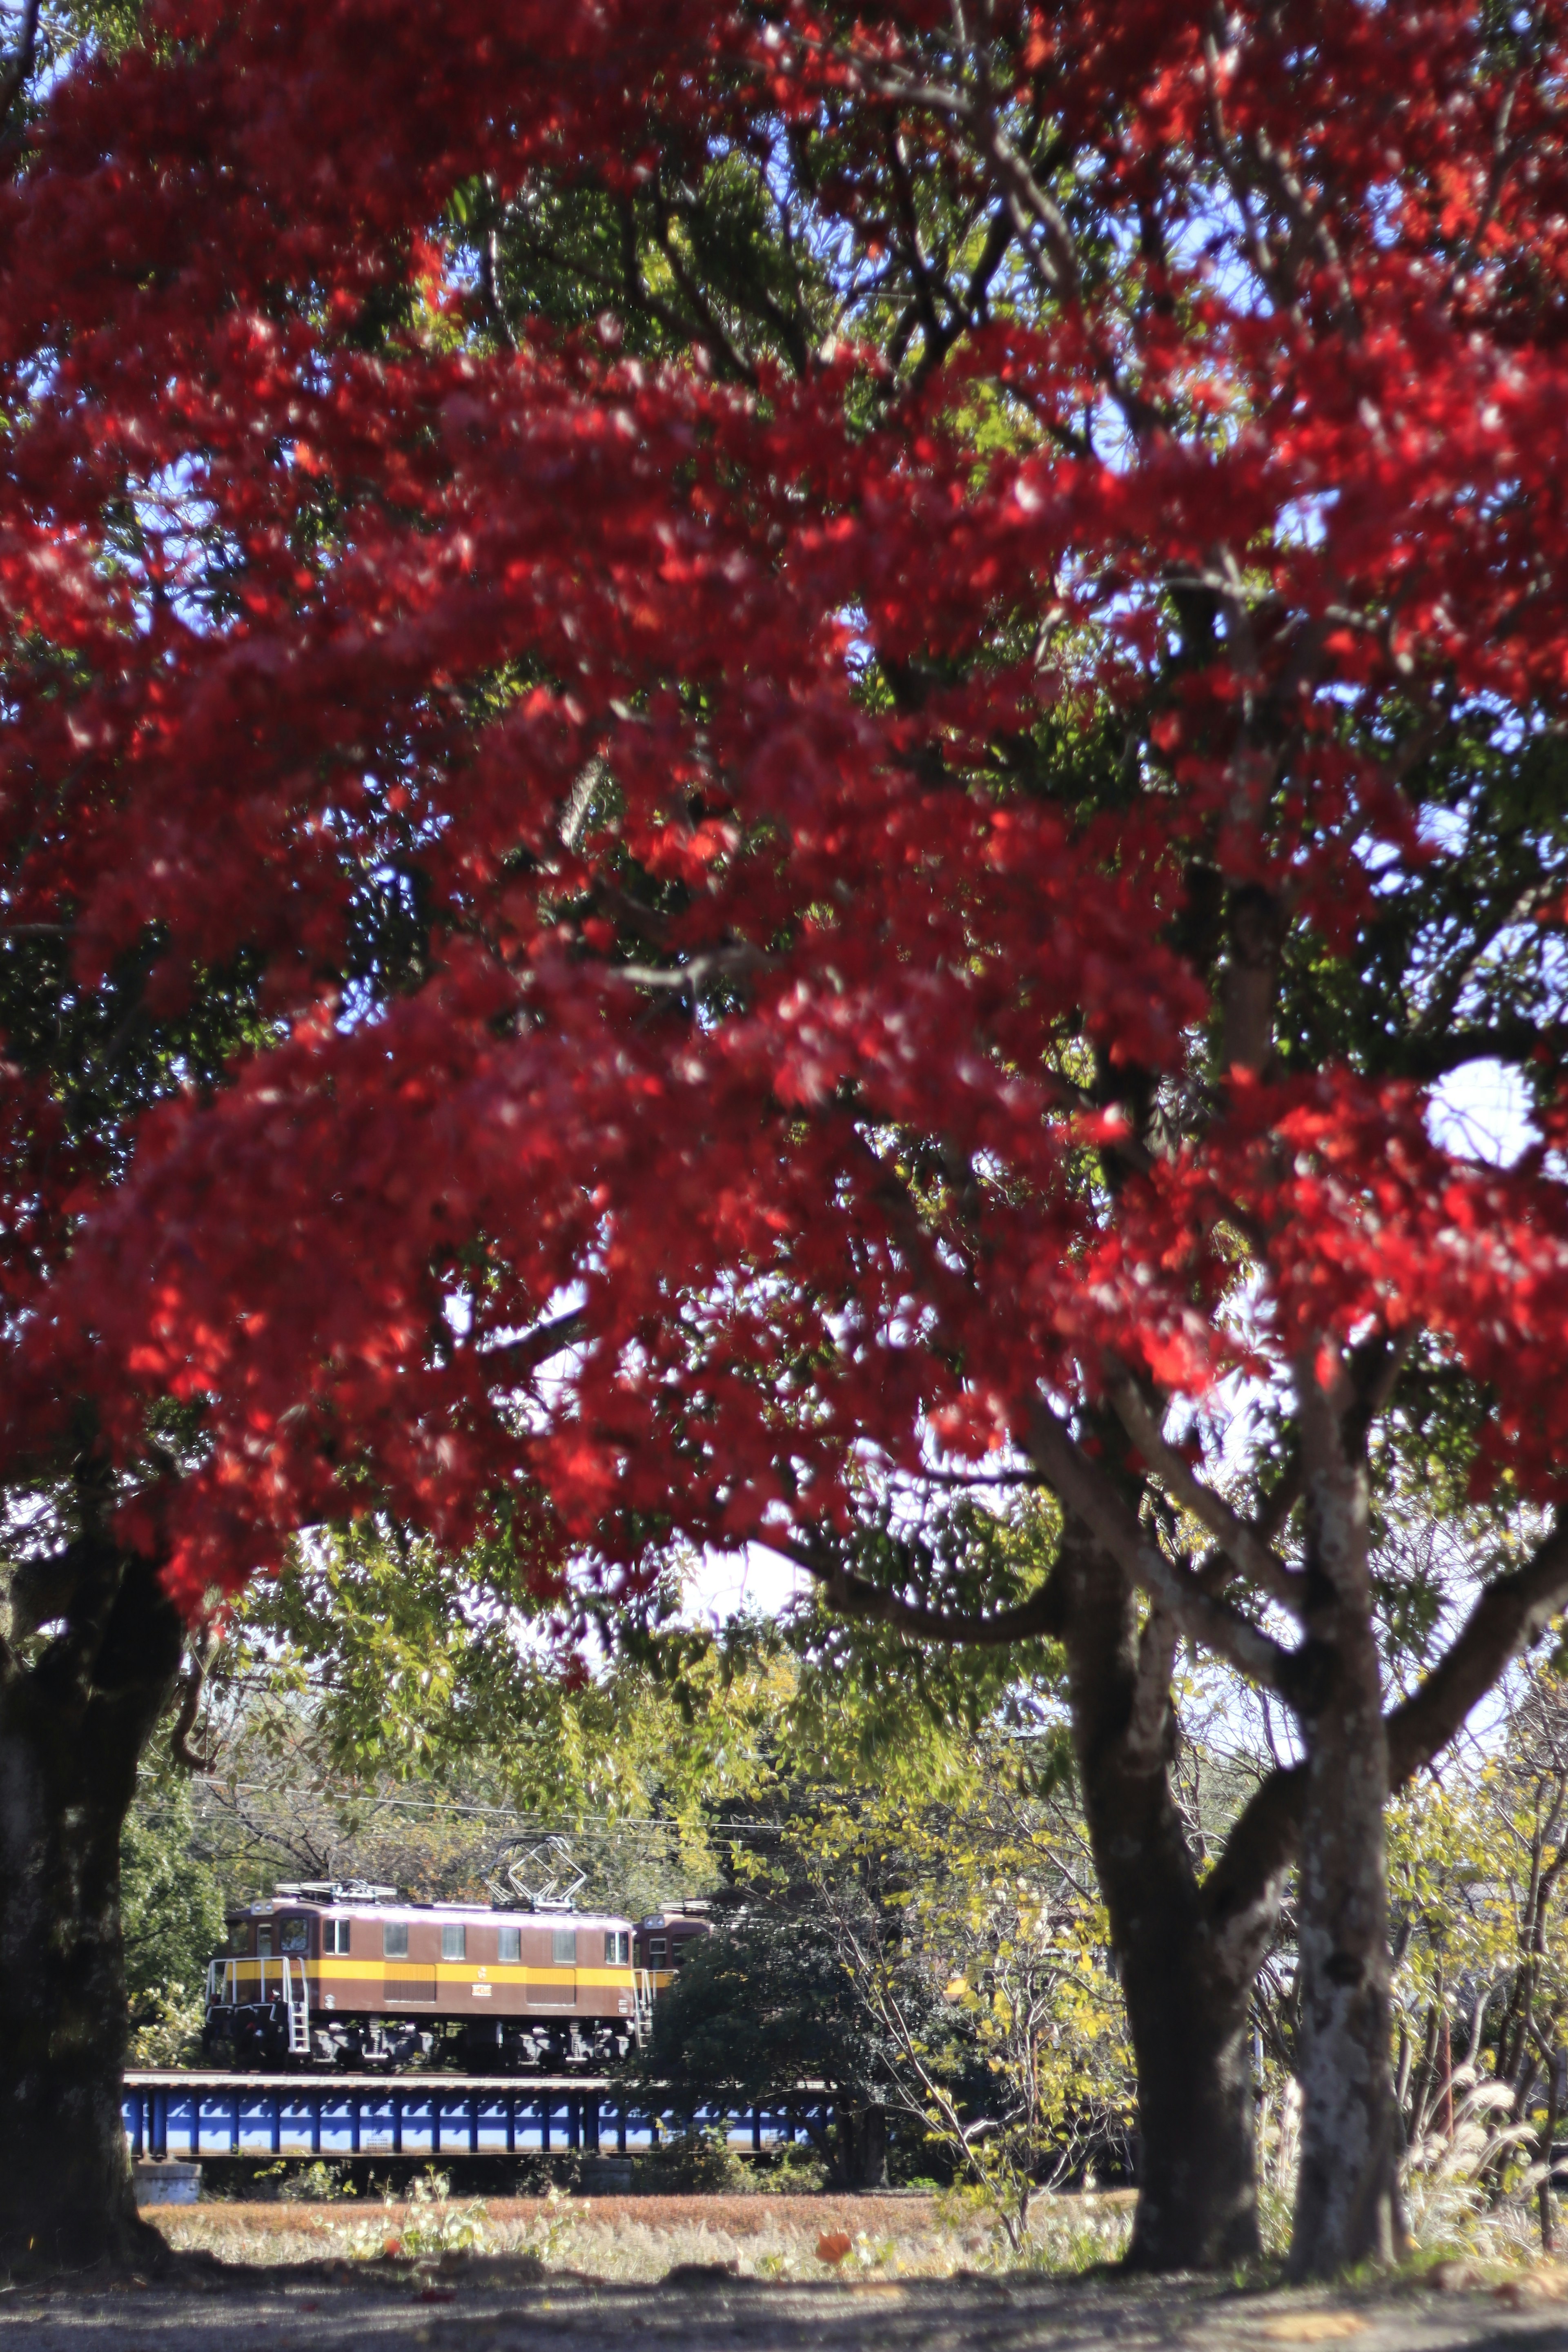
<point x="198" y="2116"/>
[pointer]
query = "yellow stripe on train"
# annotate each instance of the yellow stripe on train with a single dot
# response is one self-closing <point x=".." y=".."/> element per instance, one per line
<point x="459" y="1973"/>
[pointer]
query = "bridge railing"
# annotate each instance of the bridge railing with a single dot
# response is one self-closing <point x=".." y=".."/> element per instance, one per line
<point x="197" y="2116"/>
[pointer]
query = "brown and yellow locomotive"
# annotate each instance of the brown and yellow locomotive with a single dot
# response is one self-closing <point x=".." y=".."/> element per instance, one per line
<point x="327" y="1975"/>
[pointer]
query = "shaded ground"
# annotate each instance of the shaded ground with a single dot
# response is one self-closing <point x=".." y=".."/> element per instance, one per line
<point x="490" y="2306"/>
<point x="726" y="2274"/>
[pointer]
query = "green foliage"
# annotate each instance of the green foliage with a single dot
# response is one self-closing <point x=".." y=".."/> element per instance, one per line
<point x="985" y="1976"/>
<point x="796" y="2169"/>
<point x="416" y="1665"/>
<point x="694" y="2163"/>
<point x="431" y="2225"/>
<point x="171" y="1913"/>
<point x="761" y="2005"/>
<point x="870" y="1699"/>
<point x="170" y="2032"/>
<point x="374" y="1664"/>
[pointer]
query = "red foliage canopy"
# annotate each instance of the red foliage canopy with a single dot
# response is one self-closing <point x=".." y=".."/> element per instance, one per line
<point x="832" y="1138"/>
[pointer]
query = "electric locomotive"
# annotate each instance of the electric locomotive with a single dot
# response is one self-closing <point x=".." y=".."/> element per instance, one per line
<point x="328" y="1975"/>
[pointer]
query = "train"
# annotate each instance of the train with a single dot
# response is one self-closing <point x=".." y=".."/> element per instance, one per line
<point x="333" y="1975"/>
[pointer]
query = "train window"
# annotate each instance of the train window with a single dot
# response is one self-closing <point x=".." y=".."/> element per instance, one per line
<point x="295" y="1938"/>
<point x="335" y="1935"/>
<point x="454" y="1940"/>
<point x="264" y="1942"/>
<point x="509" y="1944"/>
<point x="617" y="1948"/>
<point x="562" y="1948"/>
<point x="395" y="1939"/>
<point x="656" y="1951"/>
<point x="678" y="1950"/>
<point x="239" y="1935"/>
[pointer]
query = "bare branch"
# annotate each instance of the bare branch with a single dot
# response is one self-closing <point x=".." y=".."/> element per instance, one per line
<point x="1240" y="1894"/>
<point x="184" y="1722"/>
<point x="1039" y="1617"/>
<point x="1082" y="1485"/>
<point x="537" y="1346"/>
<point x="1242" y="1544"/>
<point x="1508" y="1616"/>
<point x="721" y="342"/>
<point x="716" y="964"/>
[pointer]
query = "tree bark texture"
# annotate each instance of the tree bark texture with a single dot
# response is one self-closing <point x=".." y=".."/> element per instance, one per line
<point x="859" y="2158"/>
<point x="73" y="1728"/>
<point x="1347" y="2196"/>
<point x="1187" y="1965"/>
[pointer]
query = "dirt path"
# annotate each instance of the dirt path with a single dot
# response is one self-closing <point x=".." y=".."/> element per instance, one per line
<point x="490" y="2306"/>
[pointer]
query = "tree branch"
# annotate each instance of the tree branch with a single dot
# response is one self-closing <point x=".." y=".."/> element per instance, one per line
<point x="1150" y="1716"/>
<point x="185" y="1723"/>
<point x="1507" y="1618"/>
<point x="1259" y="1850"/>
<point x="1083" y="1487"/>
<point x="1429" y="1055"/>
<point x="1241" y="1543"/>
<point x="537" y="1346"/>
<point x="1041" y="1616"/>
<point x="21" y="65"/>
<point x="1376" y="1365"/>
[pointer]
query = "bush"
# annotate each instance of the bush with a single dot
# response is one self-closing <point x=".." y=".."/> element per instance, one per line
<point x="796" y="2171"/>
<point x="699" y="2163"/>
<point x="170" y="2031"/>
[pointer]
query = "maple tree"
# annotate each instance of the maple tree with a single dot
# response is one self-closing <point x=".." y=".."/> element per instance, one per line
<point x="617" y="925"/>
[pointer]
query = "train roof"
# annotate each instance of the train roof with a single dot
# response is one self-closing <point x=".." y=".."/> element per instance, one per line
<point x="377" y="1900"/>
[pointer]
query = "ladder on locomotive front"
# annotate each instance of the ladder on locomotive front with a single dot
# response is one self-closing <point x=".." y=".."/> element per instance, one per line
<point x="297" y="2010"/>
<point x="642" y="1997"/>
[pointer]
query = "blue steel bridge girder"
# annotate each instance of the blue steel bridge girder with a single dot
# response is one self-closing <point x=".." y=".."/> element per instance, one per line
<point x="199" y="2115"/>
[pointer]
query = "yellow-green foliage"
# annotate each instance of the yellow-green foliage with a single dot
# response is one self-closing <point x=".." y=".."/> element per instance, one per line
<point x="1017" y="2062"/>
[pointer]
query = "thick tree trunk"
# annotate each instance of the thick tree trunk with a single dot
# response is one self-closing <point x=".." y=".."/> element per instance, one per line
<point x="1347" y="2196"/>
<point x="1197" y="2202"/>
<point x="70" y="1733"/>
<point x="859" y="2158"/>
<point x="1186" y="1971"/>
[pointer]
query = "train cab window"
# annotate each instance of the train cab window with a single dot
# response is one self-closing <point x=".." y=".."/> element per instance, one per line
<point x="295" y="1935"/>
<point x="395" y="1939"/>
<point x="509" y="1944"/>
<point x="678" y="1950"/>
<point x="617" y="1948"/>
<point x="454" y="1940"/>
<point x="658" y="1952"/>
<point x="334" y="1935"/>
<point x="264" y="1942"/>
<point x="239" y="1935"/>
<point x="562" y="1948"/>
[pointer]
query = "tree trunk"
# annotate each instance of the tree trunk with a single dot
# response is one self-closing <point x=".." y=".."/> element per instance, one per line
<point x="1543" y="2156"/>
<point x="1197" y="2201"/>
<point x="1347" y="2195"/>
<point x="72" y="1730"/>
<point x="1186" y="1971"/>
<point x="859" y="2157"/>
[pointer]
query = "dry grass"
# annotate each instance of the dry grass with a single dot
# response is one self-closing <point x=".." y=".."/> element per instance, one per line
<point x="633" y="2240"/>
